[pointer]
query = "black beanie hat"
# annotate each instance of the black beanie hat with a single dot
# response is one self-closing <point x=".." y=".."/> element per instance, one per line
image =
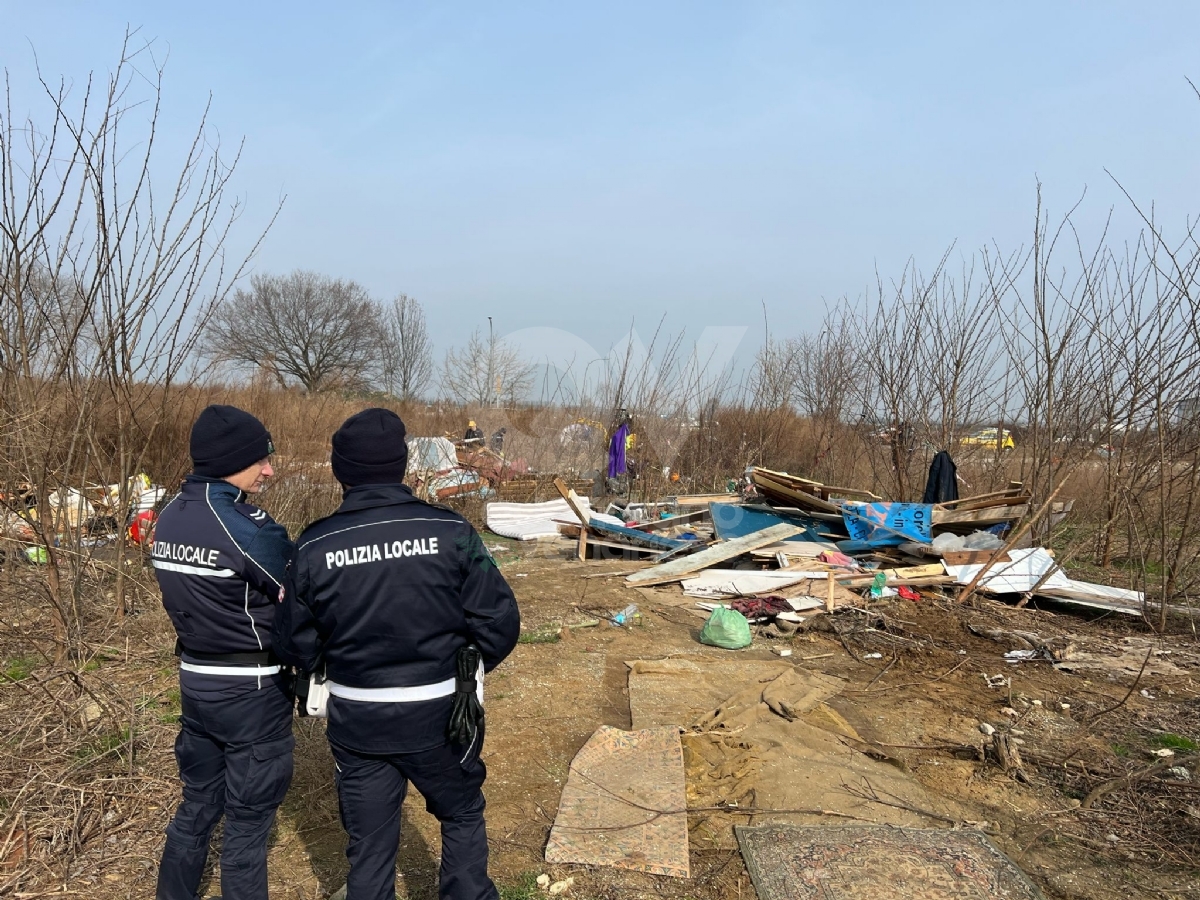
<point x="226" y="440"/>
<point x="369" y="448"/>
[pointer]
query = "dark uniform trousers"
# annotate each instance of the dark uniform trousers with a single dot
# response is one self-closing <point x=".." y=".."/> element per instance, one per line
<point x="371" y="789"/>
<point x="235" y="759"/>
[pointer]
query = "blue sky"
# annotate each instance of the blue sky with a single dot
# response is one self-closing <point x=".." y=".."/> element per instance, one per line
<point x="583" y="167"/>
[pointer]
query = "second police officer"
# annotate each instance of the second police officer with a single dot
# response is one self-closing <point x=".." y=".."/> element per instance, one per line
<point x="388" y="595"/>
<point x="220" y="563"/>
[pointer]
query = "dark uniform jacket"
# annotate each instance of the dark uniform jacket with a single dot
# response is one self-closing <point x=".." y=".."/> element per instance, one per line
<point x="220" y="564"/>
<point x="383" y="593"/>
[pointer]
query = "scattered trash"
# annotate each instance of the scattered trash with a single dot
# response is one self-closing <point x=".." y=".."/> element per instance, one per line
<point x="1064" y="706"/>
<point x="543" y="881"/>
<point x="987" y="729"/>
<point x="561" y="887"/>
<point x="1009" y="711"/>
<point x="628" y="616"/>
<point x="879" y="586"/>
<point x="1145" y="693"/>
<point x="1037" y="702"/>
<point x="872" y="656"/>
<point x="784" y="651"/>
<point x="1016" y="656"/>
<point x="1179" y="773"/>
<point x="994" y="681"/>
<point x="1164" y="753"/>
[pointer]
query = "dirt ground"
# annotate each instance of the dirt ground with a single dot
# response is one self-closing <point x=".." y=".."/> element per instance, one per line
<point x="1090" y="821"/>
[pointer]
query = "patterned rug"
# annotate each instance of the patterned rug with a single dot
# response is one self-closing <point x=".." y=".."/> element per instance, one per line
<point x="792" y="862"/>
<point x="624" y="804"/>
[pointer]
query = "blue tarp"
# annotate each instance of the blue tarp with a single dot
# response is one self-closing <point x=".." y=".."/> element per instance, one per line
<point x="888" y="524"/>
<point x="733" y="521"/>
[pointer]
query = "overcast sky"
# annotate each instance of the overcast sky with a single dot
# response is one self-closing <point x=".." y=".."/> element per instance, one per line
<point x="585" y="166"/>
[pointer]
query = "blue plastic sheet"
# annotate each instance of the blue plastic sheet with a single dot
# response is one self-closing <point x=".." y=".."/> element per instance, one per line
<point x="734" y="521"/>
<point x="888" y="524"/>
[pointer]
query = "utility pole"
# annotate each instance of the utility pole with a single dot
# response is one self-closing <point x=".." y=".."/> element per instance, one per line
<point x="491" y="384"/>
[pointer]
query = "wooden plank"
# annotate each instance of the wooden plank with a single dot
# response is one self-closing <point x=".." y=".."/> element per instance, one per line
<point x="990" y="516"/>
<point x="572" y="500"/>
<point x="681" y="519"/>
<point x="849" y="492"/>
<point x="933" y="570"/>
<point x="767" y="482"/>
<point x="972" y="557"/>
<point x="982" y="501"/>
<point x="675" y="570"/>
<point x="701" y="499"/>
<point x="899" y="582"/>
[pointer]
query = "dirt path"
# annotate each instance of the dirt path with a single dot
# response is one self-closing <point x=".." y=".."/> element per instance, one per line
<point x="91" y="819"/>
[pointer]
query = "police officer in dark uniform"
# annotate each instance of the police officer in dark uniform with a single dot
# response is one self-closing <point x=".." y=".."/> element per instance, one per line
<point x="385" y="594"/>
<point x="220" y="562"/>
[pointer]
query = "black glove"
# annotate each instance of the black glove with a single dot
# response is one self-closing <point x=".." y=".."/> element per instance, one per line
<point x="467" y="715"/>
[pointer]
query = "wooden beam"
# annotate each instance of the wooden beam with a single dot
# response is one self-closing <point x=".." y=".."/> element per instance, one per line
<point x="990" y="516"/>
<point x="572" y="500"/>
<point x="680" y="519"/>
<point x="702" y="499"/>
<point x="676" y="569"/>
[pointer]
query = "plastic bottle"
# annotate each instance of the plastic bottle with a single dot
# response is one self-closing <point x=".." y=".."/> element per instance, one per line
<point x="878" y="584"/>
<point x="628" y="615"/>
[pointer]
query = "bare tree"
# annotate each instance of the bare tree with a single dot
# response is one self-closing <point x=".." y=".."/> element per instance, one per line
<point x="303" y="328"/>
<point x="405" y="351"/>
<point x="486" y="371"/>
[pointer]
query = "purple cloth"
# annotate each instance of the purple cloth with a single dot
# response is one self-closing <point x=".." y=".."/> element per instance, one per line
<point x="616" y="451"/>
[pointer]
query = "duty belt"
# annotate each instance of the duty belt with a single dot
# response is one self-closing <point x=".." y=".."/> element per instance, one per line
<point x="393" y="694"/>
<point x="243" y="671"/>
<point x="248" y="664"/>
<point x="400" y="694"/>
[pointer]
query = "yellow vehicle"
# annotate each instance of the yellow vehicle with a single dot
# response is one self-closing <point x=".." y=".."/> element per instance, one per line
<point x="990" y="439"/>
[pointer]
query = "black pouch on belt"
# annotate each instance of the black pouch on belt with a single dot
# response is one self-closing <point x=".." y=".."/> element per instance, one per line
<point x="467" y="715"/>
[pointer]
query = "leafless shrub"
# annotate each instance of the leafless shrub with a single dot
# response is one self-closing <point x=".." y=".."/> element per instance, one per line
<point x="105" y="281"/>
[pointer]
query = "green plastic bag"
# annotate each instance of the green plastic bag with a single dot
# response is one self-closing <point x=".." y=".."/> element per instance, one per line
<point x="726" y="628"/>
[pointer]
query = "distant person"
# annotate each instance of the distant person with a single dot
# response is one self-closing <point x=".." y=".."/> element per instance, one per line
<point x="404" y="607"/>
<point x="220" y="563"/>
<point x="474" y="433"/>
<point x="497" y="442"/>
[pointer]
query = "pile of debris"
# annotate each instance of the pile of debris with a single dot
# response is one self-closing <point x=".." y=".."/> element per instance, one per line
<point x="810" y="545"/>
<point x="92" y="515"/>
